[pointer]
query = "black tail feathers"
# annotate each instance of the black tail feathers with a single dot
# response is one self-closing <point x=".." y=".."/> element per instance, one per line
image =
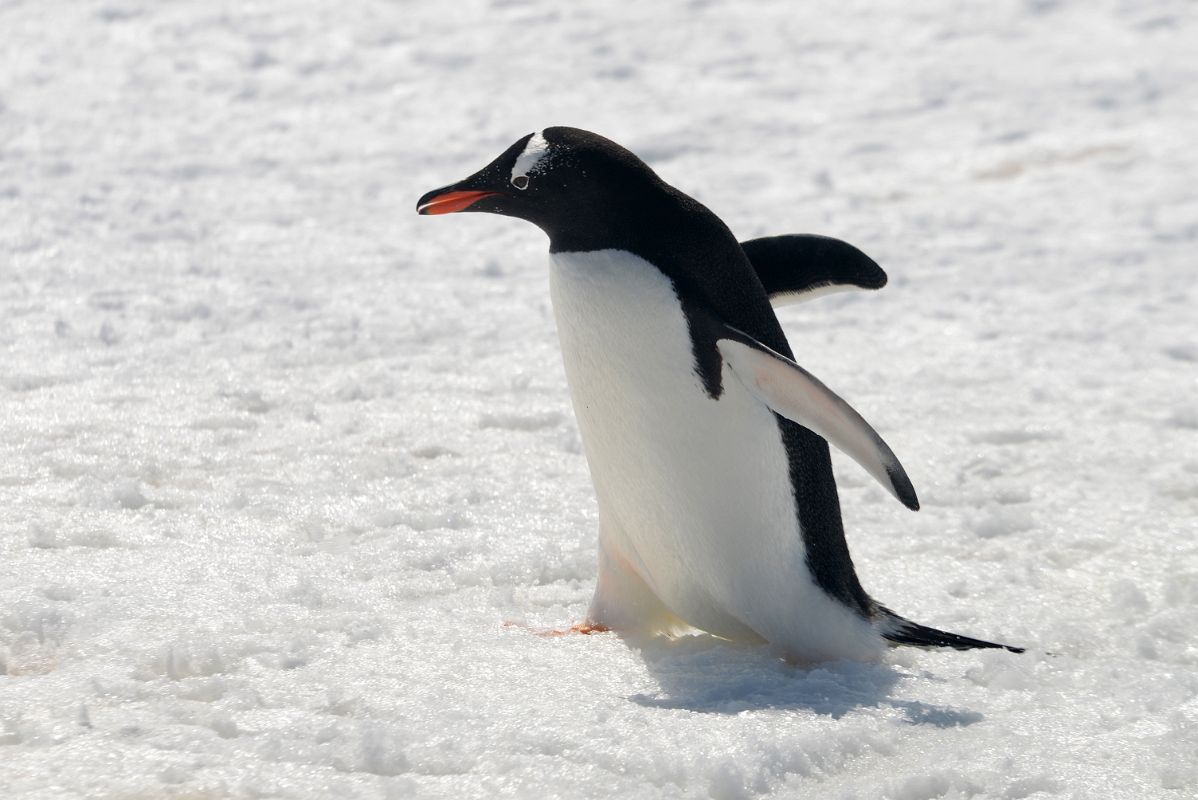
<point x="897" y="630"/>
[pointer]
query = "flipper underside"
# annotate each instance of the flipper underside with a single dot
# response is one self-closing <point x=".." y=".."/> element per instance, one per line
<point x="793" y="392"/>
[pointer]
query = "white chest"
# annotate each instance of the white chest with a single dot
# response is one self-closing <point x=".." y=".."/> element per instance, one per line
<point x="694" y="491"/>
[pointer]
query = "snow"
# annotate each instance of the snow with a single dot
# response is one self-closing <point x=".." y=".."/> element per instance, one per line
<point x="289" y="473"/>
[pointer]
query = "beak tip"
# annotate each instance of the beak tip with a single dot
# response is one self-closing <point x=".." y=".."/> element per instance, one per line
<point x="447" y="202"/>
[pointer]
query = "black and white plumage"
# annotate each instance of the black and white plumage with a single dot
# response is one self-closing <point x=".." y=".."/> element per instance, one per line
<point x="707" y="443"/>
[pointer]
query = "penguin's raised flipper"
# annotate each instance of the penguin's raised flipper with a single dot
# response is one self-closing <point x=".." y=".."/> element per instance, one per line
<point x="802" y="266"/>
<point x="792" y="392"/>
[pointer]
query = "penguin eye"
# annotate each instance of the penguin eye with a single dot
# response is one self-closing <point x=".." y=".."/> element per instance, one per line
<point x="520" y="182"/>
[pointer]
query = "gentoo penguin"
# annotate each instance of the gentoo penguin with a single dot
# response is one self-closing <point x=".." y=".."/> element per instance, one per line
<point x="707" y="443"/>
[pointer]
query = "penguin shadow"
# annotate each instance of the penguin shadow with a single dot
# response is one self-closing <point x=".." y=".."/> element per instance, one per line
<point x="709" y="675"/>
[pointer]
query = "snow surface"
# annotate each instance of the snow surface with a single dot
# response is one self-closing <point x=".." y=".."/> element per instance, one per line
<point x="289" y="472"/>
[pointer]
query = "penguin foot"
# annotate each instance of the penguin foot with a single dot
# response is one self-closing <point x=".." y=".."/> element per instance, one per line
<point x="585" y="628"/>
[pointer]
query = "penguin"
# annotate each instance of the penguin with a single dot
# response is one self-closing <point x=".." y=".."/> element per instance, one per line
<point x="708" y="445"/>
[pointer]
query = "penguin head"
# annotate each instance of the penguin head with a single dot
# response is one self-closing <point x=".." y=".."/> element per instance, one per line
<point x="557" y="178"/>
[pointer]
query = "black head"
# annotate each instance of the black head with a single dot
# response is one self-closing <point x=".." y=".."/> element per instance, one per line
<point x="560" y="179"/>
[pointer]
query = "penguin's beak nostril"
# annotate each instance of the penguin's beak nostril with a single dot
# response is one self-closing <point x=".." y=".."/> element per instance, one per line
<point x="442" y="202"/>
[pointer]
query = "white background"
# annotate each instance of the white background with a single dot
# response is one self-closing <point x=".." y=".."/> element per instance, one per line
<point x="280" y="461"/>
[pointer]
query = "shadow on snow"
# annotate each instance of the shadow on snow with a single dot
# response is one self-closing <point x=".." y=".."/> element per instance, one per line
<point x="712" y="676"/>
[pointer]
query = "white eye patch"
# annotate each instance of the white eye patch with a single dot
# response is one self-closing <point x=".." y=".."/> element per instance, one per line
<point x="536" y="150"/>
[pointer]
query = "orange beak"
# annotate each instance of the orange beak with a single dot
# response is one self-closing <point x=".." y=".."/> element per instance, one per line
<point x="450" y="202"/>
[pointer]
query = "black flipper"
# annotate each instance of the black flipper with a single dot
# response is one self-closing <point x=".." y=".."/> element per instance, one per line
<point x="795" y="267"/>
<point x="898" y="630"/>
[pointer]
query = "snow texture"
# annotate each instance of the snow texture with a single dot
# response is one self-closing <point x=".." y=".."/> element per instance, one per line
<point x="289" y="473"/>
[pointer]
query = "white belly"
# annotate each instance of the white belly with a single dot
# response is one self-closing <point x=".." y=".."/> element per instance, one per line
<point x="694" y="493"/>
